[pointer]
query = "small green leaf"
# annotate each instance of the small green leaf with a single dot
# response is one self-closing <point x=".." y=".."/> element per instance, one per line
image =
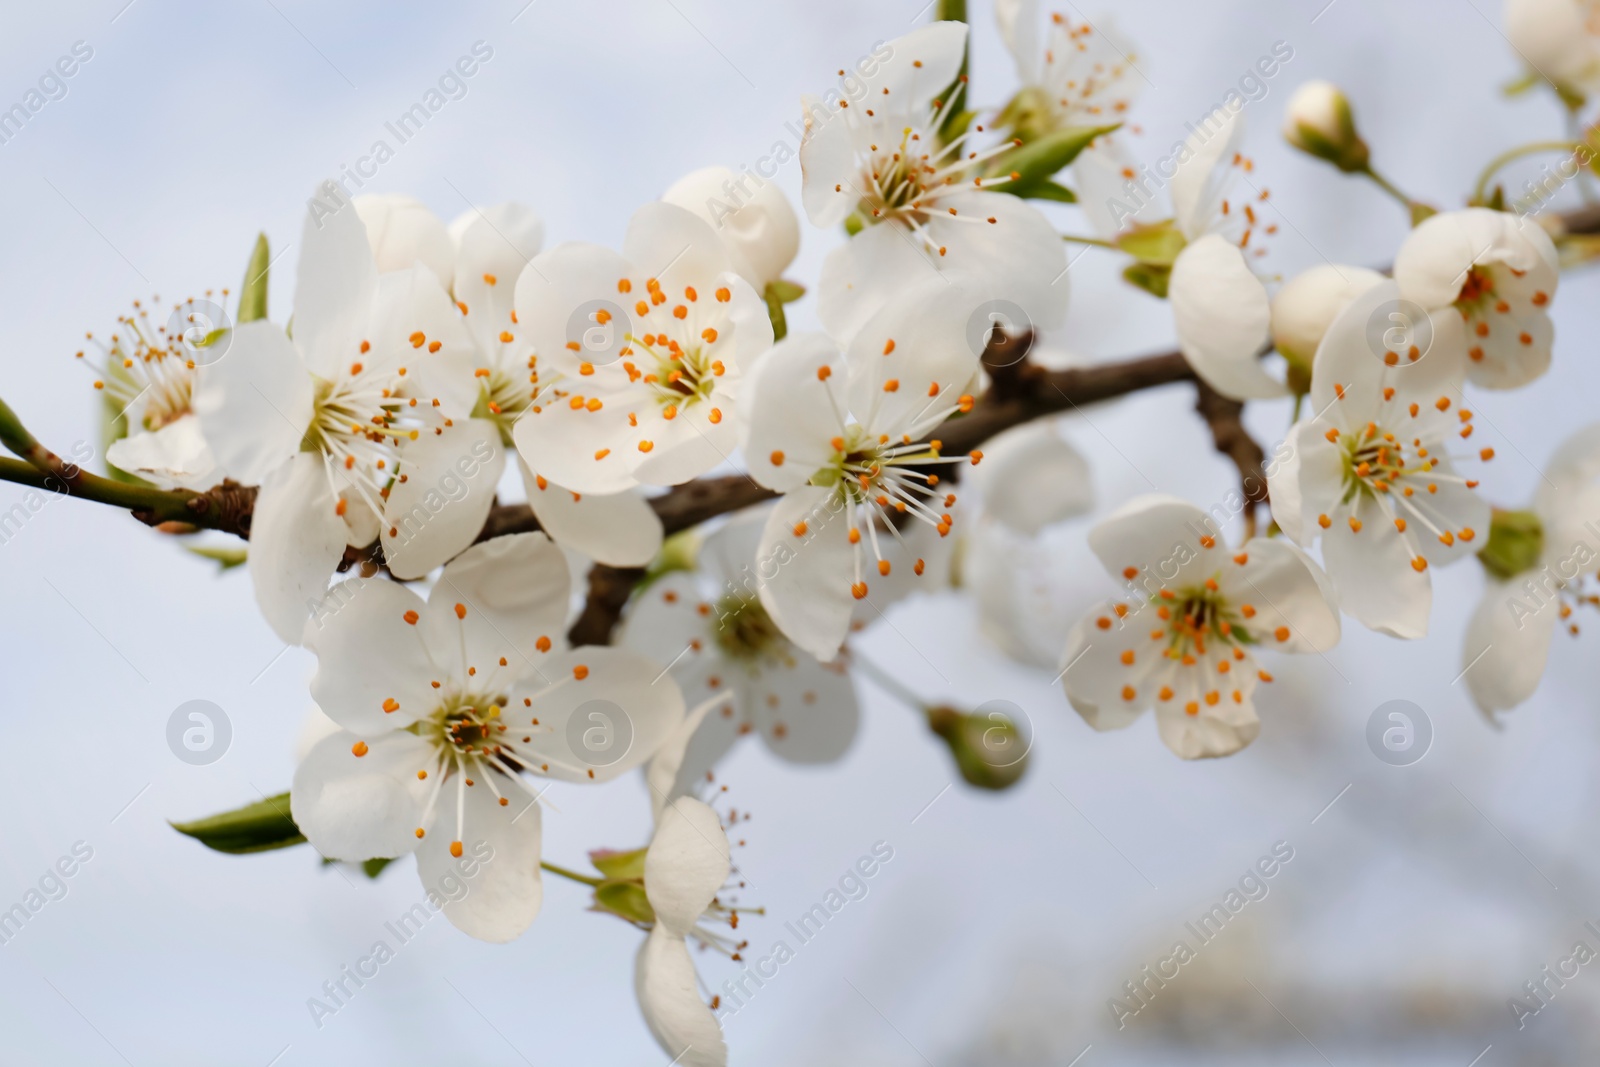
<point x="1518" y="86"/>
<point x="1041" y="159"/>
<point x="1042" y="191"/>
<point x="1149" y="277"/>
<point x="225" y="558"/>
<point x="253" y="295"/>
<point x="620" y="866"/>
<point x="626" y="899"/>
<point x="257" y="827"/>
<point x="1156" y="244"/>
<point x="374" y="867"/>
<point x="787" y="292"/>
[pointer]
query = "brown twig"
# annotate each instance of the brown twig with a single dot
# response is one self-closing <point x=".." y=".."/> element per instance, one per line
<point x="1225" y="418"/>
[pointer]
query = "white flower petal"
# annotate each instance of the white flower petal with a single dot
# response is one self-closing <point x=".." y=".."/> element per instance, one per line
<point x="448" y="487"/>
<point x="580" y="449"/>
<point x="1156" y="541"/>
<point x="1367" y="350"/>
<point x="420" y="329"/>
<point x="1200" y="183"/>
<point x="675" y="247"/>
<point x="808" y="595"/>
<point x="496" y="600"/>
<point x="686" y="864"/>
<point x="1222" y="316"/>
<point x="402" y="231"/>
<point x="1094" y="677"/>
<point x="254" y="403"/>
<point x="758" y="226"/>
<point x="921" y="65"/>
<point x="174" y="457"/>
<point x="806" y="710"/>
<point x="663" y="774"/>
<point x="1378" y="587"/>
<point x="335" y="285"/>
<point x="1507" y="644"/>
<point x="1290" y="595"/>
<point x="617" y="529"/>
<point x="1031" y="477"/>
<point x="296" y="541"/>
<point x="362" y="807"/>
<point x="496" y="243"/>
<point x="499" y="862"/>
<point x="914" y="359"/>
<point x="669" y="997"/>
<point x="1433" y="261"/>
<point x="830" y="184"/>
<point x="1309" y="302"/>
<point x="788" y="418"/>
<point x="557" y="296"/>
<point x="369" y="657"/>
<point x="1214" y="729"/>
<point x="625" y="706"/>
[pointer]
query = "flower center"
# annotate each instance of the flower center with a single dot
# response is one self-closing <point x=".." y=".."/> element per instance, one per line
<point x="744" y="629"/>
<point x="1198" y="616"/>
<point x="144" y="364"/>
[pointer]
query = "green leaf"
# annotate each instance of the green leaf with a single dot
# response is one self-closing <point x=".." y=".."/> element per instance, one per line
<point x="257" y="827"/>
<point x="1041" y="159"/>
<point x="1156" y="244"/>
<point x="374" y="867"/>
<point x="225" y="558"/>
<point x="619" y="866"/>
<point x="253" y="296"/>
<point x="1518" y="86"/>
<point x="1149" y="277"/>
<point x="787" y="292"/>
<point x="1042" y="191"/>
<point x="626" y="899"/>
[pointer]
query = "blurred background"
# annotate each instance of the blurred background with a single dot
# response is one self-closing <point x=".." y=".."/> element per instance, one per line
<point x="1419" y="899"/>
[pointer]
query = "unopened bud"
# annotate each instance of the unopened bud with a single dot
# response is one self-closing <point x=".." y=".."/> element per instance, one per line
<point x="1318" y="121"/>
<point x="990" y="748"/>
<point x="1304" y="309"/>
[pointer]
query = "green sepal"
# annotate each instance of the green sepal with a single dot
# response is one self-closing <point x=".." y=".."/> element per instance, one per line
<point x="253" y="294"/>
<point x="1518" y="86"/>
<point x="787" y="292"/>
<point x="225" y="558"/>
<point x="257" y="827"/>
<point x="1156" y="244"/>
<point x="1516" y="543"/>
<point x="625" y="899"/>
<point x="619" y="866"/>
<point x="1036" y="162"/>
<point x="374" y="867"/>
<point x="1151" y="278"/>
<point x="854" y="224"/>
<point x="780" y="321"/>
<point x="1043" y="191"/>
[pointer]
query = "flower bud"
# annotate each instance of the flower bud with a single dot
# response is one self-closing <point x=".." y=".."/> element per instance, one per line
<point x="990" y="751"/>
<point x="402" y="231"/>
<point x="1318" y="121"/>
<point x="752" y="216"/>
<point x="1516" y="543"/>
<point x="1304" y="309"/>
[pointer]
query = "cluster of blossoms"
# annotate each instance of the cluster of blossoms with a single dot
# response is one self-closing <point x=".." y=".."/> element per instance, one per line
<point x="376" y="425"/>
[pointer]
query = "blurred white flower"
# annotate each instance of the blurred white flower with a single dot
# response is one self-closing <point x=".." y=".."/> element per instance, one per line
<point x="926" y="208"/>
<point x="1372" y="472"/>
<point x="445" y="707"/>
<point x="1559" y="39"/>
<point x="1536" y="562"/>
<point x="653" y="343"/>
<point x="710" y="626"/>
<point x="1072" y="73"/>
<point x="1185" y="637"/>
<point x="751" y="216"/>
<point x="1500" y="272"/>
<point x="854" y="450"/>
